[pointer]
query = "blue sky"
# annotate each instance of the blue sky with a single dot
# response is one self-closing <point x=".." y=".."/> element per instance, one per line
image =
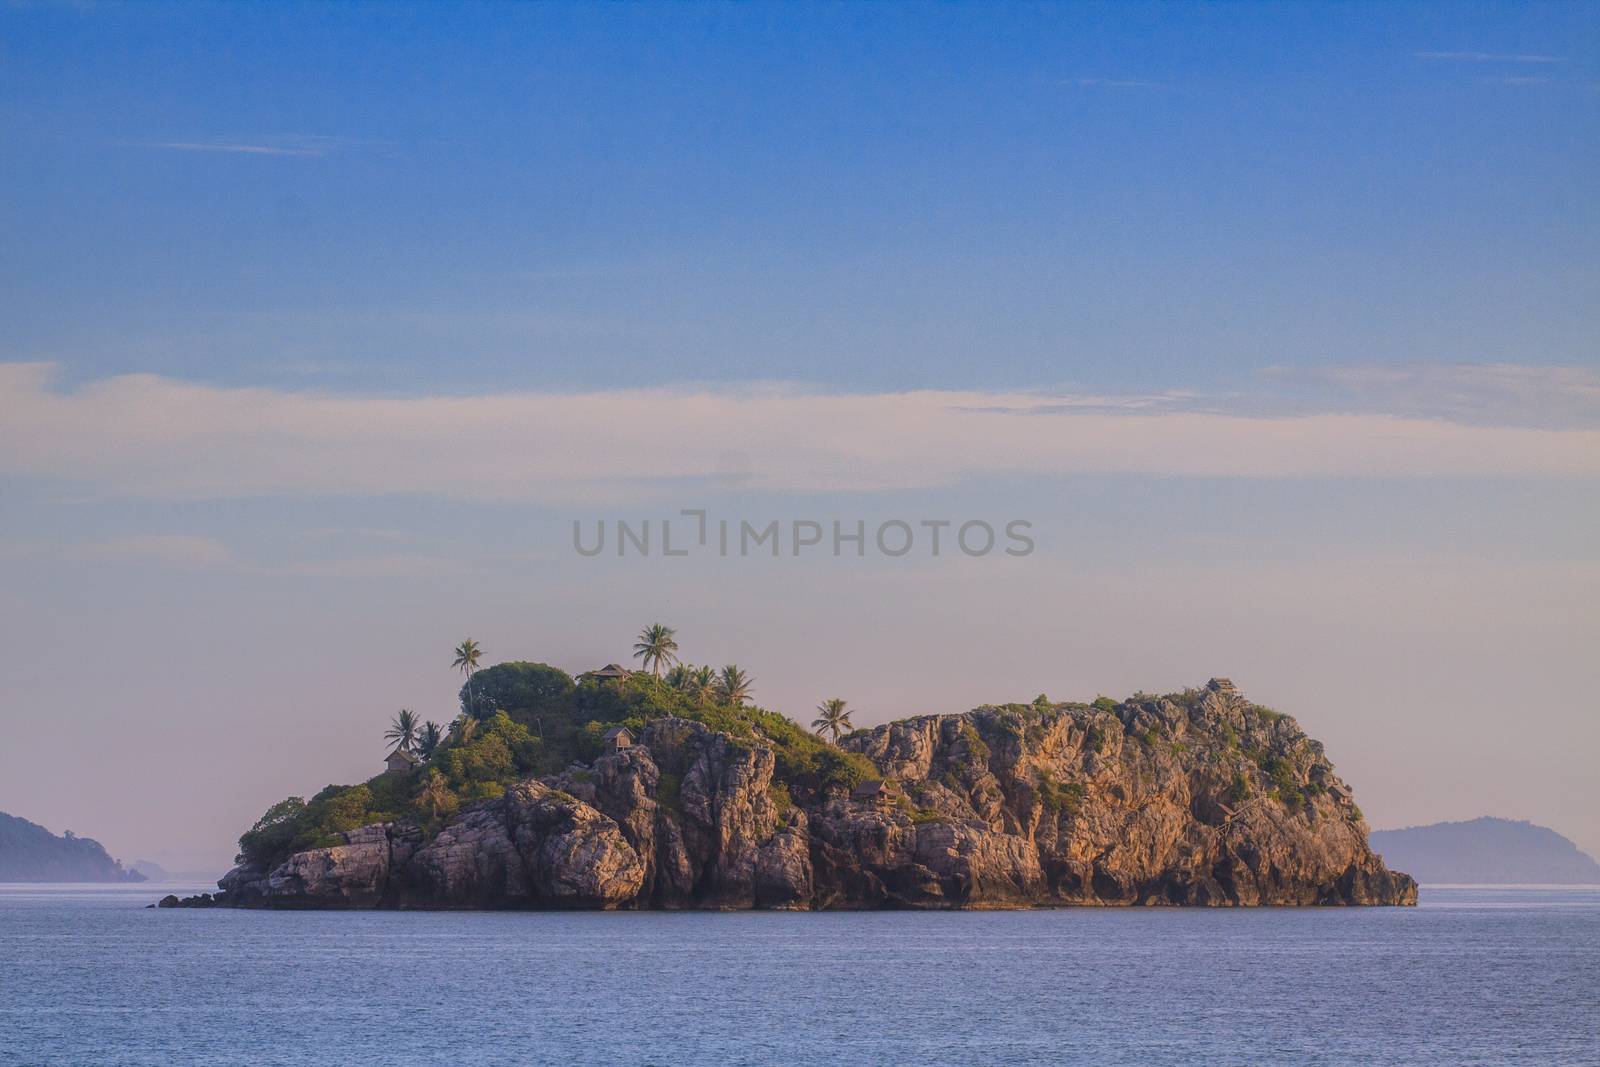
<point x="875" y="196"/>
<point x="323" y="323"/>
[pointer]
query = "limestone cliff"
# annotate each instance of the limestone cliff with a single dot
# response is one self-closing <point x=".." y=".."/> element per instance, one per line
<point x="1199" y="798"/>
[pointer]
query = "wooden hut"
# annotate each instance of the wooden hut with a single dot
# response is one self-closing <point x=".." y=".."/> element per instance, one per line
<point x="875" y="791"/>
<point x="400" y="761"/>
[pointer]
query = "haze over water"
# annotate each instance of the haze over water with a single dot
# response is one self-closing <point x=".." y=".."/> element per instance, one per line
<point x="1471" y="975"/>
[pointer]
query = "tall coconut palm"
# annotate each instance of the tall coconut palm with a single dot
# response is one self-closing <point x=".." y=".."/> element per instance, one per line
<point x="703" y="683"/>
<point x="733" y="686"/>
<point x="679" y="677"/>
<point x="657" y="647"/>
<point x="403" y="730"/>
<point x="467" y="655"/>
<point x="428" y="739"/>
<point x="834" y="719"/>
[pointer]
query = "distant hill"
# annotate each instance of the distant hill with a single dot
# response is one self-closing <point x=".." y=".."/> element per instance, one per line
<point x="1485" y="851"/>
<point x="152" y="870"/>
<point x="30" y="853"/>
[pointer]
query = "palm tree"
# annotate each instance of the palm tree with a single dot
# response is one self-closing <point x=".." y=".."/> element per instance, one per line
<point x="733" y="686"/>
<point x="463" y="729"/>
<point x="435" y="795"/>
<point x="467" y="655"/>
<point x="679" y="677"/>
<point x="703" y="683"/>
<point x="834" y="720"/>
<point x="429" y="739"/>
<point x="656" y="648"/>
<point x="403" y="730"/>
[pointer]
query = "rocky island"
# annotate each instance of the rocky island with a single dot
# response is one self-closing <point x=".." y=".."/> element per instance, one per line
<point x="622" y="790"/>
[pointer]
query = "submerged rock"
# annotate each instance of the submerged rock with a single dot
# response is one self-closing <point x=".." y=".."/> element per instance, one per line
<point x="1197" y="799"/>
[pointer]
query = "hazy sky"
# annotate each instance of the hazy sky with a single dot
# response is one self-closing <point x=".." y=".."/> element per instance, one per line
<point x="320" y="326"/>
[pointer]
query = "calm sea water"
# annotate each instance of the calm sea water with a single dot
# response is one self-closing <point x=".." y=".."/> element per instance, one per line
<point x="1473" y="975"/>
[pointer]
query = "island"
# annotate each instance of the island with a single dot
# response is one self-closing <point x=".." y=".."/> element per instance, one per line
<point x="1487" y="851"/>
<point x="633" y="789"/>
<point x="31" y="853"/>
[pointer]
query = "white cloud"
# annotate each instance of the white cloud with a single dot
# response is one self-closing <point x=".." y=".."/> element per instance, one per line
<point x="144" y="435"/>
<point x="1490" y="57"/>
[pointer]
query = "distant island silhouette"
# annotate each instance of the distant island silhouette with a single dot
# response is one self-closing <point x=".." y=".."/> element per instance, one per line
<point x="1486" y="851"/>
<point x="30" y="853"/>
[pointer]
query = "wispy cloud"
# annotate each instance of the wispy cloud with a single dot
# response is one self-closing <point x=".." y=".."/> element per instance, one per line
<point x="232" y="147"/>
<point x="1115" y="83"/>
<point x="384" y="565"/>
<point x="1482" y="394"/>
<point x="1490" y="57"/>
<point x="143" y="435"/>
<point x="180" y="549"/>
<point x="288" y="145"/>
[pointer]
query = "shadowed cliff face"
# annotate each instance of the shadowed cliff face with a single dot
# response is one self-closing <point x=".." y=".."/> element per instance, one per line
<point x="1202" y="799"/>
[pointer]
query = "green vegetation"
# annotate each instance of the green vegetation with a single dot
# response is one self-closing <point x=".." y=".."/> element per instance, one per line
<point x="975" y="744"/>
<point x="1065" y="799"/>
<point x="657" y="647"/>
<point x="403" y="730"/>
<point x="1189" y="699"/>
<point x="428" y="739"/>
<point x="1104" y="704"/>
<point x="435" y="797"/>
<point x="499" y="752"/>
<point x="528" y="691"/>
<point x="1239" y="792"/>
<point x="467" y="656"/>
<point x="833" y="719"/>
<point x="733" y="686"/>
<point x="521" y="719"/>
<point x="1282" y="773"/>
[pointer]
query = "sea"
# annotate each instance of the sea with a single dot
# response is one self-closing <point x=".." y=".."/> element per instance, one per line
<point x="1473" y="975"/>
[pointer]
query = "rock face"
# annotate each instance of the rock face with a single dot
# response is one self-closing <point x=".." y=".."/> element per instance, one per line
<point x="1202" y="799"/>
<point x="534" y="847"/>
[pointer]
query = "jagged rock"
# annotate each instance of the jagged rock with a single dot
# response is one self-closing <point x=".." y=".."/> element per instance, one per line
<point x="1197" y="799"/>
<point x="354" y="873"/>
<point x="473" y="862"/>
<point x="574" y="856"/>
